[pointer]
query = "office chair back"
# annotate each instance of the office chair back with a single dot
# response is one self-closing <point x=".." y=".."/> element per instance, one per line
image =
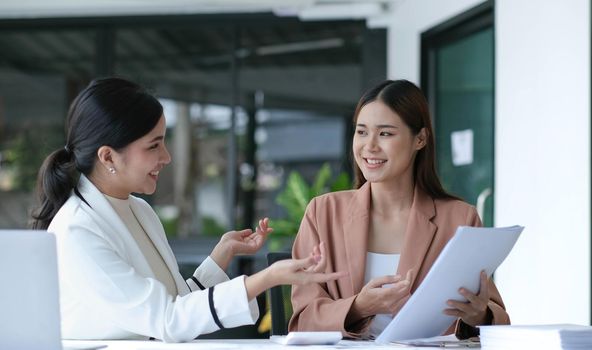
<point x="279" y="321"/>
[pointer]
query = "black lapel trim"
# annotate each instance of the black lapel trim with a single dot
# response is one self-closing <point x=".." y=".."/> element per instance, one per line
<point x="80" y="196"/>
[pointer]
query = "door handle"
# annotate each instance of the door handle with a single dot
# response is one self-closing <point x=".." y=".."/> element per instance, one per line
<point x="481" y="201"/>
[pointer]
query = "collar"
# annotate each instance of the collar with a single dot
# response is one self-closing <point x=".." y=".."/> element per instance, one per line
<point x="418" y="235"/>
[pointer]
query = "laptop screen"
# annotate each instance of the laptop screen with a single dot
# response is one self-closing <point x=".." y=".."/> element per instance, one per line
<point x="29" y="298"/>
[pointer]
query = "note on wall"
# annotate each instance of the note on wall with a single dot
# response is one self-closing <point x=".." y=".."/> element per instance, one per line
<point x="462" y="147"/>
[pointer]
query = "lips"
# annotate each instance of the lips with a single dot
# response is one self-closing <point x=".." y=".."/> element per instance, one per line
<point x="373" y="163"/>
<point x="154" y="174"/>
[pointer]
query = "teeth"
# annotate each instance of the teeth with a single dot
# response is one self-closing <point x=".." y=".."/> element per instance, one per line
<point x="154" y="173"/>
<point x="375" y="161"/>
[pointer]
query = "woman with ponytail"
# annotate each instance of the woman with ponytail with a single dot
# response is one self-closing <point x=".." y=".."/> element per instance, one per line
<point x="390" y="229"/>
<point x="118" y="276"/>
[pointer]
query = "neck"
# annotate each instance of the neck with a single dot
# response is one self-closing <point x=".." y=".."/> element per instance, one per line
<point x="106" y="187"/>
<point x="395" y="196"/>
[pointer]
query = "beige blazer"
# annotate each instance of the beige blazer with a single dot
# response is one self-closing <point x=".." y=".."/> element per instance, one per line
<point x="341" y="220"/>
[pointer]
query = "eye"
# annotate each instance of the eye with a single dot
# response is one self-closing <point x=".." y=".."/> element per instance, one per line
<point x="361" y="132"/>
<point x="154" y="146"/>
<point x="385" y="133"/>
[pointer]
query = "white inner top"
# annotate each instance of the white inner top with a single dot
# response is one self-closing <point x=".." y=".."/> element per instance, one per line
<point x="378" y="265"/>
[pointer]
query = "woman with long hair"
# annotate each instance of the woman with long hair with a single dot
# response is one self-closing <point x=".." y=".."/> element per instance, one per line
<point x="389" y="230"/>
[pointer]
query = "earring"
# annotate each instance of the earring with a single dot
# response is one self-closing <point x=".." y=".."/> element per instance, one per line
<point x="112" y="170"/>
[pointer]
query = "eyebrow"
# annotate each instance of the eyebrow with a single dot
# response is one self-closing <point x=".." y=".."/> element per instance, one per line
<point x="380" y="126"/>
<point x="157" y="138"/>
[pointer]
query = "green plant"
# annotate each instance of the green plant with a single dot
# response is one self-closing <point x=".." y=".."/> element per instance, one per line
<point x="294" y="199"/>
<point x="211" y="227"/>
<point x="25" y="151"/>
<point x="169" y="218"/>
<point x="296" y="196"/>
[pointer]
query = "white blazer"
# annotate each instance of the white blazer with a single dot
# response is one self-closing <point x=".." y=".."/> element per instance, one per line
<point x="108" y="291"/>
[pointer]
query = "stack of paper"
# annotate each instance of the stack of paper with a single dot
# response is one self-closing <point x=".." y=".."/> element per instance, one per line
<point x="441" y="341"/>
<point x="470" y="251"/>
<point x="556" y="336"/>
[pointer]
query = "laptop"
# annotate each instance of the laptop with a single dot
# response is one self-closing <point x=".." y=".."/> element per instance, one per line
<point x="29" y="296"/>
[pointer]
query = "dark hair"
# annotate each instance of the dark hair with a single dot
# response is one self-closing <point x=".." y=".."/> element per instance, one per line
<point x="407" y="100"/>
<point x="108" y="112"/>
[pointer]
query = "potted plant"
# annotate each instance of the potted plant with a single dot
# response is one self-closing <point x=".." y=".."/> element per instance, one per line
<point x="294" y="199"/>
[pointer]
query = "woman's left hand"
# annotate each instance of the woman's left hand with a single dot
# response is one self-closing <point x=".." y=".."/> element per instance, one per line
<point x="474" y="312"/>
<point x="240" y="242"/>
<point x="247" y="241"/>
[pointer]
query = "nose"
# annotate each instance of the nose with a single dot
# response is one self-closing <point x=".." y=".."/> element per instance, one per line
<point x="166" y="156"/>
<point x="372" y="144"/>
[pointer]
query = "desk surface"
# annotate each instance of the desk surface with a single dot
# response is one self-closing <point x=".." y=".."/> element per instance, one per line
<point x="213" y="344"/>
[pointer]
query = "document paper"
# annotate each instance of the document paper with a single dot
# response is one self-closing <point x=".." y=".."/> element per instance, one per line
<point x="469" y="251"/>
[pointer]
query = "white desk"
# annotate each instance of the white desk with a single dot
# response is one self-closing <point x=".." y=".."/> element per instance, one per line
<point x="213" y="344"/>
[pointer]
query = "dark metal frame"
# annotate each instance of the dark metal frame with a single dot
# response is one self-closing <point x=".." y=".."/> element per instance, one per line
<point x="467" y="23"/>
<point x="278" y="314"/>
<point x="152" y="21"/>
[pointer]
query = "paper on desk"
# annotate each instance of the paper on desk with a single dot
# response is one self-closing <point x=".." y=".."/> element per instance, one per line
<point x="548" y="336"/>
<point x="471" y="250"/>
<point x="441" y="341"/>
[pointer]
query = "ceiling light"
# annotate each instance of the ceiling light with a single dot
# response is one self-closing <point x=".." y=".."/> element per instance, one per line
<point x="300" y="46"/>
<point x="341" y="11"/>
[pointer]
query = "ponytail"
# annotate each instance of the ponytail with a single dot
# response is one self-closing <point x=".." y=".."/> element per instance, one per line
<point x="57" y="177"/>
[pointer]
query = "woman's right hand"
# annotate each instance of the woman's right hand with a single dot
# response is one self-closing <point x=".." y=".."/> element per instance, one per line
<point x="292" y="271"/>
<point x="373" y="299"/>
<point x="302" y="271"/>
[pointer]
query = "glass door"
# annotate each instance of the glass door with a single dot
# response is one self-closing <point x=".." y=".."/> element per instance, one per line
<point x="459" y="77"/>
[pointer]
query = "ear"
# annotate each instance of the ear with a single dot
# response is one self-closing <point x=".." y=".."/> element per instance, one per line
<point x="105" y="156"/>
<point x="421" y="139"/>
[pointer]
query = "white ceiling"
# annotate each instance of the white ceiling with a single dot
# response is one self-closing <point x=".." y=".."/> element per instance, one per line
<point x="305" y="9"/>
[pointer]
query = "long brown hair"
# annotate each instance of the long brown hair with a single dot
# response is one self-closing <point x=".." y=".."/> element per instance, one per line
<point x="410" y="104"/>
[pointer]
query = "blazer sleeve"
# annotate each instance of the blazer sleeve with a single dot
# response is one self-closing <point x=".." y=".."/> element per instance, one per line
<point x="315" y="309"/>
<point x="206" y="275"/>
<point x="496" y="308"/>
<point x="112" y="287"/>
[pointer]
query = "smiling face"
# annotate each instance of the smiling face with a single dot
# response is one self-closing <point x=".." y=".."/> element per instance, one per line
<point x="384" y="146"/>
<point x="139" y="163"/>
